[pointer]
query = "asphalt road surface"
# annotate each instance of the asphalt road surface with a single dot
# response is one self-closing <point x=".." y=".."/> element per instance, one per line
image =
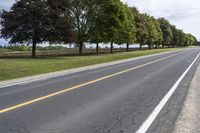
<point x="113" y="99"/>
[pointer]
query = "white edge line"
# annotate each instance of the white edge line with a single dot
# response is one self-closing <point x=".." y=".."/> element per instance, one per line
<point x="147" y="123"/>
<point x="29" y="81"/>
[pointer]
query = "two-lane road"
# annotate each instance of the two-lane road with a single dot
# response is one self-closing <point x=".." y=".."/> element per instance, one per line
<point x="112" y="99"/>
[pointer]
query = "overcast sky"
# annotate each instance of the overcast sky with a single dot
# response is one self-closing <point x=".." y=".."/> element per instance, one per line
<point x="185" y="14"/>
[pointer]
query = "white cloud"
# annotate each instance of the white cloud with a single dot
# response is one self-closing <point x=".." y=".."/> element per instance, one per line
<point x="6" y="4"/>
<point x="185" y="14"/>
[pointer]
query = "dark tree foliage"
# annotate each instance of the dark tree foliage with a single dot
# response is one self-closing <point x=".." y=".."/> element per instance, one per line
<point x="37" y="21"/>
<point x="167" y="31"/>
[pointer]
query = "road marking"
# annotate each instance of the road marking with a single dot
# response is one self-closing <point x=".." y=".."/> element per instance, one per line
<point x="147" y="123"/>
<point x="30" y="81"/>
<point x="81" y="85"/>
<point x="36" y="79"/>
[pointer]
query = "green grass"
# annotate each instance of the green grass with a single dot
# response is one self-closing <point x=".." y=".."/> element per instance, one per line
<point x="21" y="67"/>
<point x="192" y="46"/>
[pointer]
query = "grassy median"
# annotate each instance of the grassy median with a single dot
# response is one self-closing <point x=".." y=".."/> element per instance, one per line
<point x="21" y="67"/>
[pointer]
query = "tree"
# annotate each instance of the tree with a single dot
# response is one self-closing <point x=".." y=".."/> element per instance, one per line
<point x="128" y="32"/>
<point x="183" y="38"/>
<point x="195" y="42"/>
<point x="84" y="13"/>
<point x="110" y="20"/>
<point x="37" y="21"/>
<point x="191" y="39"/>
<point x="159" y="38"/>
<point x="95" y="33"/>
<point x="152" y="31"/>
<point x="167" y="31"/>
<point x="97" y="21"/>
<point x="140" y="24"/>
<point x="176" y="36"/>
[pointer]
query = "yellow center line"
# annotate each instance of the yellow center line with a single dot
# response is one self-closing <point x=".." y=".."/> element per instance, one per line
<point x="80" y="85"/>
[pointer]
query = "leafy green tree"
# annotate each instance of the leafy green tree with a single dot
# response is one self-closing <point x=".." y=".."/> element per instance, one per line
<point x="191" y="39"/>
<point x="140" y="24"/>
<point x="97" y="21"/>
<point x="95" y="34"/>
<point x="152" y="35"/>
<point x="176" y="36"/>
<point x="167" y="31"/>
<point x="159" y="38"/>
<point x="179" y="37"/>
<point x="109" y="21"/>
<point x="37" y="21"/>
<point x="195" y="40"/>
<point x="128" y="33"/>
<point x="185" y="40"/>
<point x="182" y="38"/>
<point x="84" y="13"/>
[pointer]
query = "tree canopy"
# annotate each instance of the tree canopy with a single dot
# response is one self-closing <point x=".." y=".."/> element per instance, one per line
<point x="127" y="33"/>
<point x="37" y="21"/>
<point x="80" y="21"/>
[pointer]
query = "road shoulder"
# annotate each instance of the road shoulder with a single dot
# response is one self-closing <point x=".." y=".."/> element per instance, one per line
<point x="166" y="119"/>
<point x="189" y="118"/>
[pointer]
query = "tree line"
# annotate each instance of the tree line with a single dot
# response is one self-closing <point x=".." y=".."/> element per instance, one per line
<point x="94" y="21"/>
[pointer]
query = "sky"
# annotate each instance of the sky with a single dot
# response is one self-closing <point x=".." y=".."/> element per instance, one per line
<point x="185" y="14"/>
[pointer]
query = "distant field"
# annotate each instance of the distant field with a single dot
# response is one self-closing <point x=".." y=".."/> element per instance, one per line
<point x="20" y="67"/>
<point x="60" y="52"/>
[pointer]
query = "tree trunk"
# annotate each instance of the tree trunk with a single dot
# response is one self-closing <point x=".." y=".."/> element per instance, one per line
<point x="34" y="48"/>
<point x="149" y="46"/>
<point x="80" y="48"/>
<point x="168" y="46"/>
<point x="156" y="46"/>
<point x="140" y="46"/>
<point x="97" y="48"/>
<point x="111" y="47"/>
<point x="127" y="47"/>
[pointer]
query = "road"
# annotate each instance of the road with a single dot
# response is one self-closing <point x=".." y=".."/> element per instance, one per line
<point x="113" y="99"/>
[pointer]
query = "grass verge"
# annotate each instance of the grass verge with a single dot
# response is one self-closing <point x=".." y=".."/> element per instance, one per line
<point x="21" y="67"/>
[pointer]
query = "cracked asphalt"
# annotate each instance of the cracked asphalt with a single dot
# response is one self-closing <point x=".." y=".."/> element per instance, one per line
<point x="118" y="104"/>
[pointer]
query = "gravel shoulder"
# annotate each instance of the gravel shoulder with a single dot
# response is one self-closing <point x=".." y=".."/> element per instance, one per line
<point x="189" y="118"/>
